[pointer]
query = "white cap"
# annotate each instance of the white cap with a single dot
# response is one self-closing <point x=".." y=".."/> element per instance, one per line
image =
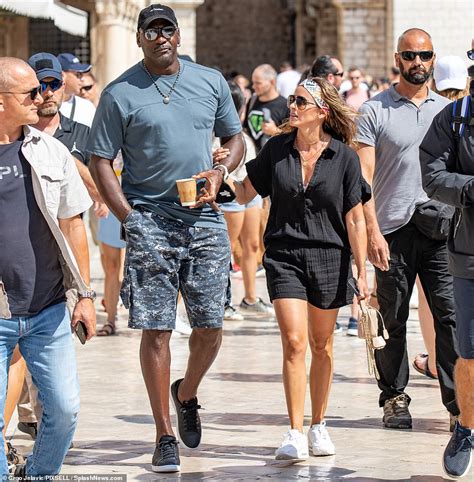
<point x="450" y="72"/>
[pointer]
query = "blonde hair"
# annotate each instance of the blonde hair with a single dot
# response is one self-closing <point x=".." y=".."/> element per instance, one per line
<point x="454" y="94"/>
<point x="340" y="120"/>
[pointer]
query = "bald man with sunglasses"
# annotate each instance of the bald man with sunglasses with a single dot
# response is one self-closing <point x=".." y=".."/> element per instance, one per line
<point x="406" y="232"/>
<point x="43" y="258"/>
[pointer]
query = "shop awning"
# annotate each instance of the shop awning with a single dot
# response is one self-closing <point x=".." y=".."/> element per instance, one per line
<point x="66" y="18"/>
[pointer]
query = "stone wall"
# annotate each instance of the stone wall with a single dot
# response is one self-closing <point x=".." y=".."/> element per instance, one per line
<point x="364" y="39"/>
<point x="450" y="23"/>
<point x="241" y="34"/>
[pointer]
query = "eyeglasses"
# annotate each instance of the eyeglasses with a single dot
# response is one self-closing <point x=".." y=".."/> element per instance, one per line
<point x="52" y="84"/>
<point x="153" y="33"/>
<point x="87" y="87"/>
<point x="339" y="74"/>
<point x="470" y="54"/>
<point x="301" y="102"/>
<point x="410" y="55"/>
<point x="33" y="92"/>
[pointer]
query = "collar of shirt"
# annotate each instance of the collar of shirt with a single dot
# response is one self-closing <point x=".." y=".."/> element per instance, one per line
<point x="65" y="124"/>
<point x="397" y="97"/>
<point x="290" y="138"/>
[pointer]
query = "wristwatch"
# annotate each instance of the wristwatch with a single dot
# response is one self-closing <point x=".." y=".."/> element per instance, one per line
<point x="223" y="169"/>
<point x="91" y="294"/>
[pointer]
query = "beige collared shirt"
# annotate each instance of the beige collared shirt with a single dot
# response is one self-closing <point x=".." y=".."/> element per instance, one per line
<point x="60" y="194"/>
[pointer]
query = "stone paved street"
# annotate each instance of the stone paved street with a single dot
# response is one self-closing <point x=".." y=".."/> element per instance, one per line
<point x="245" y="414"/>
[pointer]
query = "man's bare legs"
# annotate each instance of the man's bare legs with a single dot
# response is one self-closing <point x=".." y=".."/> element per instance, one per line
<point x="155" y="358"/>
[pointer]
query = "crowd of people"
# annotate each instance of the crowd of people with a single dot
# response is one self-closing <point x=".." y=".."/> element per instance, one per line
<point x="305" y="175"/>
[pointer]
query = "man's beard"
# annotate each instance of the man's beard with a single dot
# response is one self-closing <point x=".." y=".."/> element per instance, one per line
<point x="48" y="111"/>
<point x="413" y="77"/>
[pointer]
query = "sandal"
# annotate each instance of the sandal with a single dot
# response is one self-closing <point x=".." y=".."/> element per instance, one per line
<point x="423" y="369"/>
<point x="107" y="329"/>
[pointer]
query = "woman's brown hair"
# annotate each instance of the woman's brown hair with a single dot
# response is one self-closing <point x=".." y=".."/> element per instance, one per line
<point x="340" y="120"/>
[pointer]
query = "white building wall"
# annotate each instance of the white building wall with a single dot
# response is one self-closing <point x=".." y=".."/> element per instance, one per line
<point x="449" y="22"/>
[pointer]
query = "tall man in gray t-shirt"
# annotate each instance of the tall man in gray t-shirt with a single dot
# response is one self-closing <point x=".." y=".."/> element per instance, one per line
<point x="161" y="113"/>
<point x="390" y="130"/>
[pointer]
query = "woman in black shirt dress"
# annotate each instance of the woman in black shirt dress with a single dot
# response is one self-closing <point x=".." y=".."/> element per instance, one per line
<point x="316" y="220"/>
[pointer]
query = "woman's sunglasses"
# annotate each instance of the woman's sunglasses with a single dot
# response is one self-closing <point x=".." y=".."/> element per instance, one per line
<point x="153" y="33"/>
<point x="301" y="102"/>
<point x="52" y="84"/>
<point x="410" y="55"/>
<point x="87" y="87"/>
<point x="470" y="54"/>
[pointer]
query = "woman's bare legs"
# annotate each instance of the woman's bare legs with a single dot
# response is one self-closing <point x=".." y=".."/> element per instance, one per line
<point x="250" y="241"/>
<point x="16" y="377"/>
<point x="321" y="337"/>
<point x="292" y="316"/>
<point x="113" y="269"/>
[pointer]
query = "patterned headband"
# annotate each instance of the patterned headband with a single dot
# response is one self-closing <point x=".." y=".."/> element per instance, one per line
<point x="313" y="88"/>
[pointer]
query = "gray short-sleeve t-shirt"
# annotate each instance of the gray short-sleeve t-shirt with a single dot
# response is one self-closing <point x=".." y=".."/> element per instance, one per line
<point x="395" y="126"/>
<point x="164" y="142"/>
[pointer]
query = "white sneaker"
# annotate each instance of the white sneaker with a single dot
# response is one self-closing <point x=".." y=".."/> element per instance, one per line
<point x="293" y="447"/>
<point x="182" y="327"/>
<point x="231" y="314"/>
<point x="319" y="441"/>
<point x="257" y="308"/>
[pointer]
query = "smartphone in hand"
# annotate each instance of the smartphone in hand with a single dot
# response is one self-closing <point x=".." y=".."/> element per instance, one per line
<point x="81" y="332"/>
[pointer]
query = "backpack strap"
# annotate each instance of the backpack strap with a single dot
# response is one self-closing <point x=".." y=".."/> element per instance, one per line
<point x="461" y="116"/>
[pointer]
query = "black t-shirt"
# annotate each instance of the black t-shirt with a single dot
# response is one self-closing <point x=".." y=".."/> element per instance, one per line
<point x="74" y="136"/>
<point x="315" y="216"/>
<point x="255" y="117"/>
<point x="29" y="254"/>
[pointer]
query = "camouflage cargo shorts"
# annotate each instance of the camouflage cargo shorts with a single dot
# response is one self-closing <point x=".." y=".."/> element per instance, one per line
<point x="164" y="256"/>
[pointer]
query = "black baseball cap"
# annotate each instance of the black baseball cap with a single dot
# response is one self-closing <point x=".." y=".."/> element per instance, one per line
<point x="154" y="12"/>
<point x="46" y="65"/>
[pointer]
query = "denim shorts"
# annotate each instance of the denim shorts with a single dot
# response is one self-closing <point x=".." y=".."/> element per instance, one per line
<point x="235" y="207"/>
<point x="165" y="256"/>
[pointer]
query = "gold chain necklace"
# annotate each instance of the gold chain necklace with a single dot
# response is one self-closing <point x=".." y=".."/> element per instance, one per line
<point x="315" y="155"/>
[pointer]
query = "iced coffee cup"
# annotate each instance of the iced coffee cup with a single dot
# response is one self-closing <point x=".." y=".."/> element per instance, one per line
<point x="187" y="191"/>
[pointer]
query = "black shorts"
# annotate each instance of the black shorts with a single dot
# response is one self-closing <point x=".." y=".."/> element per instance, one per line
<point x="317" y="275"/>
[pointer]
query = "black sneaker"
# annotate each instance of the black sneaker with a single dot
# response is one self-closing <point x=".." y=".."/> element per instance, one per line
<point x="457" y="456"/>
<point x="31" y="428"/>
<point x="395" y="412"/>
<point x="166" y="456"/>
<point x="189" y="423"/>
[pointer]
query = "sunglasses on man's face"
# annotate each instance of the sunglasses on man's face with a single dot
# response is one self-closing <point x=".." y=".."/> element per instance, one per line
<point x="153" y="33"/>
<point x="410" y="55"/>
<point x="470" y="54"/>
<point x="301" y="102"/>
<point x="33" y="92"/>
<point x="52" y="84"/>
<point x="87" y="87"/>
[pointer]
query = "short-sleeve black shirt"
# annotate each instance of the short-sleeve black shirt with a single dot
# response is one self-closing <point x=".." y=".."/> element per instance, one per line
<point x="74" y="136"/>
<point x="315" y="216"/>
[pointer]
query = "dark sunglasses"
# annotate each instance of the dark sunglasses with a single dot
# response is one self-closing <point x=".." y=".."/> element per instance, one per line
<point x="153" y="33"/>
<point x="339" y="74"/>
<point x="301" y="102"/>
<point x="470" y="54"/>
<point x="87" y="87"/>
<point x="52" y="84"/>
<point x="33" y="92"/>
<point x="410" y="55"/>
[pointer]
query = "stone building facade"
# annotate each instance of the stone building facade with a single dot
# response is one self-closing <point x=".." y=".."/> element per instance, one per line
<point x="240" y="34"/>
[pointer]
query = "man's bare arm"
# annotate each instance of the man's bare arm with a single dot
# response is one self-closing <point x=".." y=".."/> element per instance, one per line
<point x="74" y="231"/>
<point x="377" y="248"/>
<point x="214" y="177"/>
<point x="109" y="186"/>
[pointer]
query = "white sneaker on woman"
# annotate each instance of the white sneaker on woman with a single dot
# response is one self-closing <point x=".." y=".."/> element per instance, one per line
<point x="293" y="447"/>
<point x="319" y="441"/>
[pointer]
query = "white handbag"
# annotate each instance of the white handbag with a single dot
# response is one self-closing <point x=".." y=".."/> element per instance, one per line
<point x="372" y="329"/>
